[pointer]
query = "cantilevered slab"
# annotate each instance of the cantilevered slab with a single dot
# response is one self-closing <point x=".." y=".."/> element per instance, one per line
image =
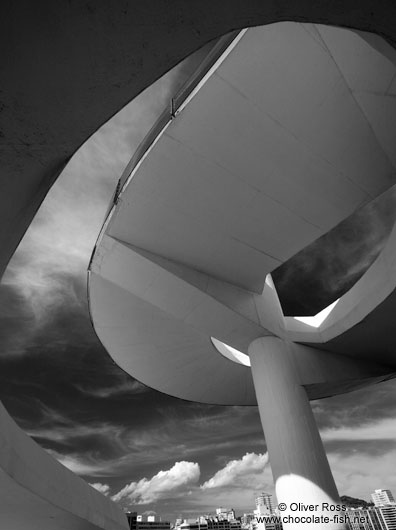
<point x="157" y="322"/>
<point x="269" y="154"/>
<point x="270" y="151"/>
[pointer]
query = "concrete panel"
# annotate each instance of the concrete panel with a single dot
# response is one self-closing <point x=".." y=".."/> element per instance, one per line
<point x="320" y="109"/>
<point x="356" y="54"/>
<point x="219" y="315"/>
<point x="164" y="352"/>
<point x="250" y="171"/>
<point x="159" y="329"/>
<point x="380" y="111"/>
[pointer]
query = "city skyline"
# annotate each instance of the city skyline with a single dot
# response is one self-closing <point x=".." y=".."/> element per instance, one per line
<point x="265" y="504"/>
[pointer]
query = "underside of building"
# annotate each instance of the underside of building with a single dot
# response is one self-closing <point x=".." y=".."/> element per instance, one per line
<point x="260" y="156"/>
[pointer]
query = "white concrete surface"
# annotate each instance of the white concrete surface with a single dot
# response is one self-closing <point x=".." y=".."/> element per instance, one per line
<point x="275" y="137"/>
<point x="299" y="464"/>
<point x="157" y="318"/>
<point x="270" y="153"/>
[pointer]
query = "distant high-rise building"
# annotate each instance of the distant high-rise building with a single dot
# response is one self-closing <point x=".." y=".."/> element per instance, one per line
<point x="382" y="497"/>
<point x="388" y="516"/>
<point x="374" y="519"/>
<point x="265" y="501"/>
<point x="379" y="518"/>
<point x="358" y="519"/>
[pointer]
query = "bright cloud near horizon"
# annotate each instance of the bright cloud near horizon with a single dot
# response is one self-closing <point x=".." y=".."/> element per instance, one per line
<point x="238" y="472"/>
<point x="232" y="482"/>
<point x="233" y="485"/>
<point x="170" y="483"/>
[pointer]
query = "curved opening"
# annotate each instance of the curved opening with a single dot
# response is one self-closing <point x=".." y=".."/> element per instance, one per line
<point x="230" y="353"/>
<point x="238" y="357"/>
<point x="311" y="282"/>
<point x="320" y="317"/>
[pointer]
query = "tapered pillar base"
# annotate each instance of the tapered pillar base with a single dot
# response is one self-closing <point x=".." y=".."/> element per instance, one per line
<point x="303" y="480"/>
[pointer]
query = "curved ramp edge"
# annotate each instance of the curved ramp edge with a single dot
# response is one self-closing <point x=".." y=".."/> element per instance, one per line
<point x="38" y="492"/>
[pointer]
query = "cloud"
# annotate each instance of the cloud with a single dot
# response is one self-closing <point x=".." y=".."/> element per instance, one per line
<point x="164" y="484"/>
<point x="358" y="475"/>
<point x="129" y="386"/>
<point x="78" y="465"/>
<point x="103" y="488"/>
<point x="378" y="430"/>
<point x="67" y="433"/>
<point x="355" y="409"/>
<point x="234" y="484"/>
<point x="59" y="241"/>
<point x="239" y="472"/>
<point x="324" y="270"/>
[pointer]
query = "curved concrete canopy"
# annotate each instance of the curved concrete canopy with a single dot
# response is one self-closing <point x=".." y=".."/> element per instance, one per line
<point x="273" y="149"/>
<point x="67" y="67"/>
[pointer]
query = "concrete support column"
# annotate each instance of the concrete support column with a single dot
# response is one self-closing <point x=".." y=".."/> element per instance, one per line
<point x="302" y="475"/>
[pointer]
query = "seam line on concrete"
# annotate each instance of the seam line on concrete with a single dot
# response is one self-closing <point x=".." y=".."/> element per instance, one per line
<point x="352" y="93"/>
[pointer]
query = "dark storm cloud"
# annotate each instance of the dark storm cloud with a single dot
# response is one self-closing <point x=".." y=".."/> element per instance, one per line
<point x="17" y="320"/>
<point x="44" y="316"/>
<point x="322" y="272"/>
<point x="66" y="392"/>
<point x="365" y="406"/>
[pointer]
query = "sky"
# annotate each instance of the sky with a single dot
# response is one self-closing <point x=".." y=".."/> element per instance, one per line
<point x="148" y="451"/>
